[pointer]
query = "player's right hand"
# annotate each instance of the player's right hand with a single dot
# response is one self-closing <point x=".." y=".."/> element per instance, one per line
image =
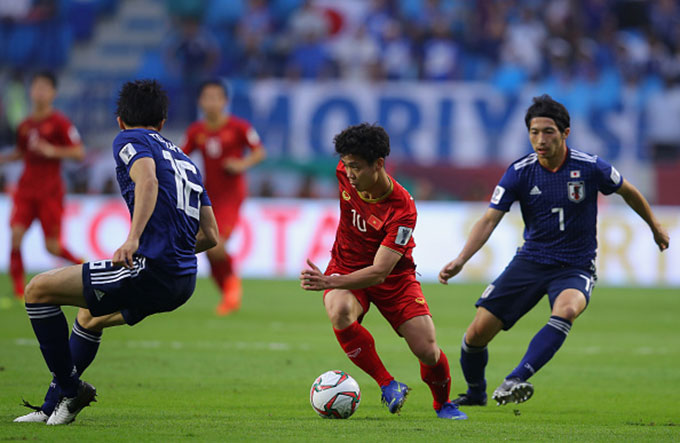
<point x="123" y="255"/>
<point x="449" y="270"/>
<point x="313" y="279"/>
<point x="661" y="238"/>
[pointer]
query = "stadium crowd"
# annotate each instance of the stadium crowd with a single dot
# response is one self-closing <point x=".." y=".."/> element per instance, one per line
<point x="594" y="49"/>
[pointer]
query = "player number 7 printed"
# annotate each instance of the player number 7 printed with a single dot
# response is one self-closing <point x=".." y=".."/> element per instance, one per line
<point x="184" y="185"/>
<point x="560" y="211"/>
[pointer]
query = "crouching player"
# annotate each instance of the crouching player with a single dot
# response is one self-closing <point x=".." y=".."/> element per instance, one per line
<point x="371" y="262"/>
<point x="153" y="271"/>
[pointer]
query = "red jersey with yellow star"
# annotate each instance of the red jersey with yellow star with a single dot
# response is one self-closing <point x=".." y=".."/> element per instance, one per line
<point x="365" y="225"/>
<point x="218" y="144"/>
<point x="42" y="175"/>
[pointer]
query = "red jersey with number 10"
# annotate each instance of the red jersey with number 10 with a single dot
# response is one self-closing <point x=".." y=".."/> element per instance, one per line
<point x="228" y="141"/>
<point x="42" y="175"/>
<point x="365" y="225"/>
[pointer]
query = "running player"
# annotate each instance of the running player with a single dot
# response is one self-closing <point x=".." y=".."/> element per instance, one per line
<point x="153" y="271"/>
<point x="43" y="140"/>
<point x="557" y="188"/>
<point x="371" y="262"/>
<point x="229" y="146"/>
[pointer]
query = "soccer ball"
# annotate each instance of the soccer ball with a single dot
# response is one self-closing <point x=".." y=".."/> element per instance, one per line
<point x="335" y="394"/>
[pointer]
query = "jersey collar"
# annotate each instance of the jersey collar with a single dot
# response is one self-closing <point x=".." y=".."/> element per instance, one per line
<point x="382" y="197"/>
<point x="564" y="160"/>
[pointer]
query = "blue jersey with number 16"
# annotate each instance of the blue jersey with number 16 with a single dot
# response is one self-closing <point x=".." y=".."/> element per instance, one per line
<point x="169" y="237"/>
<point x="559" y="208"/>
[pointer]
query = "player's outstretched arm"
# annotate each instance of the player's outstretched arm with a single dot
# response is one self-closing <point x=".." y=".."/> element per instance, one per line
<point x="634" y="198"/>
<point x="143" y="173"/>
<point x="481" y="231"/>
<point x="208" y="234"/>
<point x="383" y="263"/>
<point x="240" y="165"/>
<point x="75" y="152"/>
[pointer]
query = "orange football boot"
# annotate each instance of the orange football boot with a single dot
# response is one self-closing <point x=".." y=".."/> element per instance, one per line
<point x="231" y="296"/>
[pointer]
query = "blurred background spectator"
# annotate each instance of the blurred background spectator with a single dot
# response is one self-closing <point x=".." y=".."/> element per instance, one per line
<point x="597" y="56"/>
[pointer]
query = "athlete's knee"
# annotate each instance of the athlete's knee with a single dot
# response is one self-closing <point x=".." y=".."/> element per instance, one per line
<point x="568" y="312"/>
<point x="477" y="336"/>
<point x="341" y="313"/>
<point x="38" y="290"/>
<point x="217" y="252"/>
<point x="53" y="247"/>
<point x="87" y="321"/>
<point x="428" y="352"/>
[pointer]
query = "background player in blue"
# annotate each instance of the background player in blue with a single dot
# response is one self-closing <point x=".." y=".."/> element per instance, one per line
<point x="557" y="189"/>
<point x="153" y="271"/>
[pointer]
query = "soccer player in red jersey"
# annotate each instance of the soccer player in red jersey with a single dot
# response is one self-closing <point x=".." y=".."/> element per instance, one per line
<point x="43" y="140"/>
<point x="229" y="146"/>
<point x="371" y="262"/>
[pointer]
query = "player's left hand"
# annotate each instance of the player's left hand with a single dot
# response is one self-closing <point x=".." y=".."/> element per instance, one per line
<point x="661" y="238"/>
<point x="45" y="148"/>
<point x="234" y="165"/>
<point x="313" y="279"/>
<point x="123" y="255"/>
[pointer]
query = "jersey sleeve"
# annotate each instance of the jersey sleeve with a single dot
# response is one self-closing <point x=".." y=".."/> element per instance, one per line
<point x="205" y="199"/>
<point x="400" y="232"/>
<point x="70" y="134"/>
<point x="506" y="191"/>
<point x="609" y="180"/>
<point x="127" y="152"/>
<point x="252" y="138"/>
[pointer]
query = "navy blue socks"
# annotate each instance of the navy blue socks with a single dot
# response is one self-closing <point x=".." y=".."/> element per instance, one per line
<point x="542" y="347"/>
<point x="51" y="330"/>
<point x="84" y="344"/>
<point x="473" y="362"/>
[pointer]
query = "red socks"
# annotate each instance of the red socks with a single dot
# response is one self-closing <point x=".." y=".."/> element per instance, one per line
<point x="438" y="378"/>
<point x="16" y="272"/>
<point x="359" y="346"/>
<point x="221" y="270"/>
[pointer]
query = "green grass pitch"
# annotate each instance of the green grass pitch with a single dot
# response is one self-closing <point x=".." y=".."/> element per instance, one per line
<point x="189" y="375"/>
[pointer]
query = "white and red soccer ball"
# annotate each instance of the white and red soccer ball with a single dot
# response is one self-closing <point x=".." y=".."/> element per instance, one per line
<point x="334" y="394"/>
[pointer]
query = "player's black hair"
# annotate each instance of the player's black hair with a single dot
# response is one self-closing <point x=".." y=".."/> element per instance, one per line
<point x="545" y="106"/>
<point x="47" y="75"/>
<point x="364" y="140"/>
<point x="142" y="103"/>
<point x="213" y="82"/>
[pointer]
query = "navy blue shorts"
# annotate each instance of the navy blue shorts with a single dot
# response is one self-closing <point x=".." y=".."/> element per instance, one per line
<point x="523" y="284"/>
<point x="137" y="292"/>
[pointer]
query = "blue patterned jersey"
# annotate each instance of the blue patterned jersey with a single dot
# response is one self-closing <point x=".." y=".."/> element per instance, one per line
<point x="559" y="208"/>
<point x="169" y="237"/>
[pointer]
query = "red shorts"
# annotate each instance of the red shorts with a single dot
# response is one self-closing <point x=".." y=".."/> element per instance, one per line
<point x="399" y="298"/>
<point x="48" y="210"/>
<point x="226" y="214"/>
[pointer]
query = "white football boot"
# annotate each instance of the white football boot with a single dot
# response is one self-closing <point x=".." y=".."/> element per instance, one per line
<point x="69" y="407"/>
<point x="513" y="390"/>
<point x="32" y="417"/>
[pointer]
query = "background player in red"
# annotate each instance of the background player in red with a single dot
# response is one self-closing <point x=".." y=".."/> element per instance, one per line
<point x="229" y="146"/>
<point x="44" y="138"/>
<point x="371" y="262"/>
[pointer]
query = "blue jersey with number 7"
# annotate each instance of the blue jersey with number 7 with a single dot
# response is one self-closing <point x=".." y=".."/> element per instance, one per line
<point x="169" y="237"/>
<point x="559" y="208"/>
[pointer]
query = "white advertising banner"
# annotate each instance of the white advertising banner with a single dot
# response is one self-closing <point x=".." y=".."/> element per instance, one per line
<point x="275" y="237"/>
